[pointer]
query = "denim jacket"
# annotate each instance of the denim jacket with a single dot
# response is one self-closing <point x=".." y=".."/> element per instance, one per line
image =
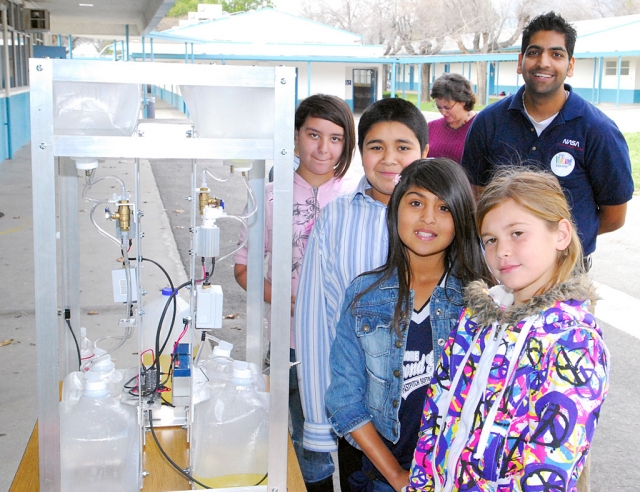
<point x="366" y="357"/>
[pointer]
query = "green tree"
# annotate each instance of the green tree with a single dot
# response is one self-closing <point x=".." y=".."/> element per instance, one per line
<point x="182" y="7"/>
<point x="244" y="5"/>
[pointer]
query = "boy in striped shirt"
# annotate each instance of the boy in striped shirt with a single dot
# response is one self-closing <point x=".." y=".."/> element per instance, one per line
<point x="349" y="238"/>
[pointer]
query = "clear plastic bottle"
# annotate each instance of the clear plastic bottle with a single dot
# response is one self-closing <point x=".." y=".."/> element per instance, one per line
<point x="219" y="366"/>
<point x="99" y="442"/>
<point x="152" y="313"/>
<point x="231" y="450"/>
<point x="100" y="365"/>
<point x="86" y="345"/>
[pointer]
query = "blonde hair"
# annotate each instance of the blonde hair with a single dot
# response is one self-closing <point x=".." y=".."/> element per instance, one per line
<point x="540" y="194"/>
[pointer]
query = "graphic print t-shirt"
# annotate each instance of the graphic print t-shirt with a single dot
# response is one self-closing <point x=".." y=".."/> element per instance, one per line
<point x="418" y="367"/>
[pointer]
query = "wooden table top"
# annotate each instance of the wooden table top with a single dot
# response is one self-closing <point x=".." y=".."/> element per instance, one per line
<point x="162" y="476"/>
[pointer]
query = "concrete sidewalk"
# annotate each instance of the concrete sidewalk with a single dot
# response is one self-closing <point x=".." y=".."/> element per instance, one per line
<point x="616" y="267"/>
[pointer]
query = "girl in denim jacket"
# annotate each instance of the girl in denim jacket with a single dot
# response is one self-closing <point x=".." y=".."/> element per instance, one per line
<point x="396" y="319"/>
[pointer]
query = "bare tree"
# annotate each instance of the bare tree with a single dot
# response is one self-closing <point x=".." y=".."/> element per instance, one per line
<point x="593" y="9"/>
<point x="486" y="27"/>
<point x="422" y="27"/>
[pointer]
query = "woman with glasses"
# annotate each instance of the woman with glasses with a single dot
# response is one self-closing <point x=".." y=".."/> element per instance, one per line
<point x="455" y="100"/>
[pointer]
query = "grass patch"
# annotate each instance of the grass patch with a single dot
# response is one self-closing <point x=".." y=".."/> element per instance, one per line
<point x="633" y="140"/>
<point x="412" y="97"/>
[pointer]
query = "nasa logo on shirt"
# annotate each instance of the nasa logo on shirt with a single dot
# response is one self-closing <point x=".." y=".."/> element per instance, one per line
<point x="562" y="164"/>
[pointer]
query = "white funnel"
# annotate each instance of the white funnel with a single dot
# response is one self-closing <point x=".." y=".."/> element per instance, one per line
<point x="231" y="112"/>
<point x="95" y="108"/>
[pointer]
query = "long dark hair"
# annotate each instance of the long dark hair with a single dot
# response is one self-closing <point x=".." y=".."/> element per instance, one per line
<point x="463" y="257"/>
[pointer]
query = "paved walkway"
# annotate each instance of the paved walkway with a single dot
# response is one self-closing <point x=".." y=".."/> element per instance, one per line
<point x="616" y="269"/>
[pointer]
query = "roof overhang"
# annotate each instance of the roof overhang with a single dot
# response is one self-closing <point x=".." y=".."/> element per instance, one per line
<point x="103" y="18"/>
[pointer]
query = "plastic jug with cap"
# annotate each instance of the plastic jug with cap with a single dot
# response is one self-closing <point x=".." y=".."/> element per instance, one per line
<point x="232" y="449"/>
<point x="99" y="442"/>
<point x="151" y="319"/>
<point x="212" y="373"/>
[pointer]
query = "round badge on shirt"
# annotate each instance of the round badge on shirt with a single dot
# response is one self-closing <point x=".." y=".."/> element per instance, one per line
<point x="562" y="164"/>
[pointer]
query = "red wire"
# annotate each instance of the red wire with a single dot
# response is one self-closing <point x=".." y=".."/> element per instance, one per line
<point x="153" y="357"/>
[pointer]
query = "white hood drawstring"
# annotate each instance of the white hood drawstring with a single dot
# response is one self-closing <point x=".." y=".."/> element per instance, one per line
<point x="513" y="363"/>
<point x="502" y="297"/>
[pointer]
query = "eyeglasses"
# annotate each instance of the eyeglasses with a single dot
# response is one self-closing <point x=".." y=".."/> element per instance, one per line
<point x="442" y="109"/>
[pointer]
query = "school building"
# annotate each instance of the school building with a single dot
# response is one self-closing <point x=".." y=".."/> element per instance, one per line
<point x="327" y="60"/>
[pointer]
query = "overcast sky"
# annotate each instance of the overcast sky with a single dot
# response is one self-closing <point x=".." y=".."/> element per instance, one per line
<point x="291" y="6"/>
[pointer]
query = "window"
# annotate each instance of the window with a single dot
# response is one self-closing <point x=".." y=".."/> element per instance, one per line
<point x="19" y="47"/>
<point x="611" y="67"/>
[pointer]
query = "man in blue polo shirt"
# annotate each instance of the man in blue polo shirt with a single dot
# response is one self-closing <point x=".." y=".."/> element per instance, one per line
<point x="547" y="125"/>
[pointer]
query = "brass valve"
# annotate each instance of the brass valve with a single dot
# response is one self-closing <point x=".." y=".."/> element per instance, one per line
<point x="205" y="199"/>
<point x="123" y="215"/>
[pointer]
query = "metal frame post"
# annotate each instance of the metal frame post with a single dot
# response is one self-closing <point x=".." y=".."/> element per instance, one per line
<point x="255" y="267"/>
<point x="281" y="267"/>
<point x="69" y="254"/>
<point x="46" y="272"/>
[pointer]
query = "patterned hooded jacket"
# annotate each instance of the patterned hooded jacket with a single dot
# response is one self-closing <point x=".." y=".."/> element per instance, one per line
<point x="516" y="396"/>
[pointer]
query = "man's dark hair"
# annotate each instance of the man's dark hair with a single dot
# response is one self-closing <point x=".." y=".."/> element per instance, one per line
<point x="550" y="22"/>
<point x="394" y="109"/>
<point x="335" y="110"/>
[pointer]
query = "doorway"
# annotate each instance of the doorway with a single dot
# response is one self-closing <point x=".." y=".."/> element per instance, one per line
<point x="364" y="88"/>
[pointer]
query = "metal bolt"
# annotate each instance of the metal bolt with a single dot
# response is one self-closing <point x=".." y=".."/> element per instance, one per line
<point x="188" y="198"/>
<point x="274" y="489"/>
<point x="283" y="151"/>
<point x="141" y="312"/>
<point x="142" y="234"/>
<point x="39" y="68"/>
<point x="145" y="473"/>
<point x="283" y="81"/>
<point x="143" y="292"/>
<point x="140" y="213"/>
<point x="43" y="146"/>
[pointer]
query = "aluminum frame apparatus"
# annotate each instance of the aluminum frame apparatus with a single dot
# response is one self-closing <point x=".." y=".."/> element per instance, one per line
<point x="49" y="178"/>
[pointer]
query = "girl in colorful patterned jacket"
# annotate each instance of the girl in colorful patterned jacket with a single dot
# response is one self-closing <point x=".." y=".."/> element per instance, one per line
<point x="396" y="319"/>
<point x="517" y="394"/>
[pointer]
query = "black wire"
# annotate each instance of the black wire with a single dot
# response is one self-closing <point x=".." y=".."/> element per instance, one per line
<point x="166" y="402"/>
<point x="205" y="281"/>
<point x="158" y="265"/>
<point x="262" y="479"/>
<point x="159" y="350"/>
<point x="76" y="342"/>
<point x="173" y="463"/>
<point x="172" y="299"/>
<point x="173" y="318"/>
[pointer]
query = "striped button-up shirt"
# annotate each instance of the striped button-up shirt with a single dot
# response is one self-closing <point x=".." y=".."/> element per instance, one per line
<point x="348" y="238"/>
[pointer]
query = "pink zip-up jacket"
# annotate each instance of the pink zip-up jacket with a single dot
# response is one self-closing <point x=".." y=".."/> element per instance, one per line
<point x="307" y="203"/>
